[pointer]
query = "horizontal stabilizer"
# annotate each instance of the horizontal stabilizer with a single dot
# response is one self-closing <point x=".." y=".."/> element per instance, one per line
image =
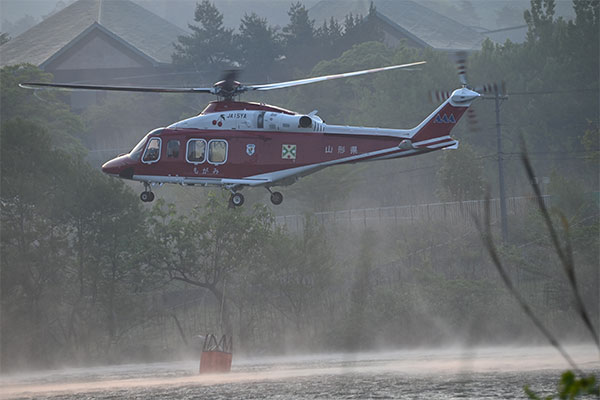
<point x="445" y="142"/>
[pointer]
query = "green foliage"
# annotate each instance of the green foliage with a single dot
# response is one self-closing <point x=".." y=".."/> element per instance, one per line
<point x="69" y="242"/>
<point x="325" y="190"/>
<point x="108" y="127"/>
<point x="554" y="76"/>
<point x="209" y="47"/>
<point x="45" y="108"/>
<point x="214" y="247"/>
<point x="209" y="245"/>
<point x="4" y="38"/>
<point x="540" y="19"/>
<point x="357" y="331"/>
<point x="299" y="37"/>
<point x="591" y="143"/>
<point x="568" y="196"/>
<point x="570" y="387"/>
<point x="461" y="175"/>
<point x="259" y="47"/>
<point x="359" y="29"/>
<point x="330" y="33"/>
<point x="297" y="275"/>
<point x="264" y="52"/>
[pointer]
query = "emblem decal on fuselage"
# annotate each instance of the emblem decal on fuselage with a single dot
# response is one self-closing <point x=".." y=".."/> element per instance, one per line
<point x="288" y="151"/>
<point x="250" y="149"/>
<point x="444" y="119"/>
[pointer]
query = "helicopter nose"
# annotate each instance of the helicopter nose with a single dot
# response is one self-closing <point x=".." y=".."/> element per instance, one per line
<point x="118" y="167"/>
<point x="112" y="167"/>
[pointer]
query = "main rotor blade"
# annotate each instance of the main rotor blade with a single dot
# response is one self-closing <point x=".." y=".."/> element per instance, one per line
<point x="306" y="81"/>
<point x="37" y="85"/>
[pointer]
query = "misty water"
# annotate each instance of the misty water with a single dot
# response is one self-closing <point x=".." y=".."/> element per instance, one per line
<point x="487" y="373"/>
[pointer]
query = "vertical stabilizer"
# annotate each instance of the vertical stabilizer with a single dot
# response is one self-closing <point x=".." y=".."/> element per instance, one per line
<point x="435" y="129"/>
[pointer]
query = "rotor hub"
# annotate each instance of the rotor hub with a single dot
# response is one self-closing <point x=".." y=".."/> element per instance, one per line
<point x="227" y="88"/>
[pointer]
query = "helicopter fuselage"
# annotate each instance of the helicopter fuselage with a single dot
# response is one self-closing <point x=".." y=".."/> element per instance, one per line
<point x="236" y="144"/>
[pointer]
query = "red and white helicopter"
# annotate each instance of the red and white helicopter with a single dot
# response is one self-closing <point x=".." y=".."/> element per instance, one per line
<point x="235" y="144"/>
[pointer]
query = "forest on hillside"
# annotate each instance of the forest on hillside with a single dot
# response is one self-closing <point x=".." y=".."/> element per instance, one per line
<point x="89" y="274"/>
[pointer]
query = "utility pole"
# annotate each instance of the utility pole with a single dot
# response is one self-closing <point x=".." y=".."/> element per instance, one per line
<point x="501" y="170"/>
<point x="498" y="96"/>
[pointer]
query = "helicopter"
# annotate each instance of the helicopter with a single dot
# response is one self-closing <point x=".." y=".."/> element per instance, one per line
<point x="235" y="144"/>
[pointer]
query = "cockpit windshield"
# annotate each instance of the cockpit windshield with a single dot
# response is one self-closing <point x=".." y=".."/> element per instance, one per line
<point x="136" y="152"/>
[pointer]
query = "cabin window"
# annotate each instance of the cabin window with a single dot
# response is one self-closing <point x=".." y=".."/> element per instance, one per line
<point x="173" y="148"/>
<point x="152" y="153"/>
<point x="196" y="150"/>
<point x="217" y="151"/>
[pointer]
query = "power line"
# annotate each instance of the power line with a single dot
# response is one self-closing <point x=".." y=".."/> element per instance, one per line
<point x="552" y="92"/>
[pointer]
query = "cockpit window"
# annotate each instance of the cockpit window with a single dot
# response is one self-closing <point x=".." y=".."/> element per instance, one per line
<point x="152" y="153"/>
<point x="137" y="150"/>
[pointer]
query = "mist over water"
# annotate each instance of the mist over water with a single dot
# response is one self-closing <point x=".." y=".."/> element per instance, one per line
<point x="494" y="373"/>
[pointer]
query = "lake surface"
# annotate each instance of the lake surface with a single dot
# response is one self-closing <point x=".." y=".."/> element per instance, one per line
<point x="486" y="373"/>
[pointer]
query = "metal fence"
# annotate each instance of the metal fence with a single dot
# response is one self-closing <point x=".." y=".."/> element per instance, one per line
<point x="452" y="212"/>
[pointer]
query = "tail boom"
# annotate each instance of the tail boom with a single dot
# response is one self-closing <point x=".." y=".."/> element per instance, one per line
<point x="432" y="133"/>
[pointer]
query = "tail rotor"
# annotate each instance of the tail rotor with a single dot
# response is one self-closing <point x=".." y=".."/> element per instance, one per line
<point x="491" y="89"/>
<point x="461" y="67"/>
<point x="437" y="96"/>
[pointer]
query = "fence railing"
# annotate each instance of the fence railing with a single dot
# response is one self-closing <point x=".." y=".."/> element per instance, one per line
<point x="452" y="212"/>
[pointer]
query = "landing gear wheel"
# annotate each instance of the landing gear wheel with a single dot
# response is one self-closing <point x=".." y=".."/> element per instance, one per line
<point x="237" y="199"/>
<point x="147" y="197"/>
<point x="276" y="198"/>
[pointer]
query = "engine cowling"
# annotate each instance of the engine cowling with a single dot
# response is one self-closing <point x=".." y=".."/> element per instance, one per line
<point x="287" y="123"/>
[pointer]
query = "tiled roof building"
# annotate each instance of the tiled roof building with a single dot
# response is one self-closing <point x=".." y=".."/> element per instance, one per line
<point x="405" y="20"/>
<point x="95" y="40"/>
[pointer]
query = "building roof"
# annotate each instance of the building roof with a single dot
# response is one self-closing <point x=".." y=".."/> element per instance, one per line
<point x="425" y="25"/>
<point x="516" y="34"/>
<point x="135" y="26"/>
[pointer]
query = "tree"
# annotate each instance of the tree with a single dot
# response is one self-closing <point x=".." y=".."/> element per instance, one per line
<point x="359" y="29"/>
<point x="540" y="19"/>
<point x="33" y="239"/>
<point x="210" y="46"/>
<point x="209" y="247"/>
<point x="357" y="331"/>
<point x="298" y="274"/>
<point x="4" y="38"/>
<point x="325" y="190"/>
<point x="329" y="36"/>
<point x="591" y="142"/>
<point x="299" y="38"/>
<point x="108" y="230"/>
<point x="259" y="46"/>
<point x="70" y="243"/>
<point x="461" y="175"/>
<point x="45" y="108"/>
